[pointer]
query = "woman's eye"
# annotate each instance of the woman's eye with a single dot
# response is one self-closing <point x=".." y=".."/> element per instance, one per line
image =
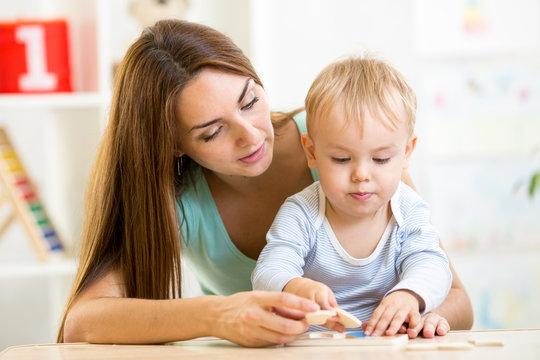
<point x="250" y="104"/>
<point x="340" y="160"/>
<point x="211" y="137"/>
<point x="381" y="161"/>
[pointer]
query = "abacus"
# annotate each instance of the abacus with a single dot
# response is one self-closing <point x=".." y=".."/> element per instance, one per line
<point x="27" y="207"/>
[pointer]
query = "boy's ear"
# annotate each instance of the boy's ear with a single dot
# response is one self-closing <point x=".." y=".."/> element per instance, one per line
<point x="309" y="150"/>
<point x="411" y="145"/>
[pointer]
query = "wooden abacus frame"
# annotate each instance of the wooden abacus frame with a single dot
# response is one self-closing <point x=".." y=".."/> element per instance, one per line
<point x="19" y="191"/>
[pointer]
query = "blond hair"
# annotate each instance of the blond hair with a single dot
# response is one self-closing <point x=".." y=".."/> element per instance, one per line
<point x="359" y="84"/>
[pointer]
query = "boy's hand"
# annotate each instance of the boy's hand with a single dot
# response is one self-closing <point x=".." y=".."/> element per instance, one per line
<point x="320" y="294"/>
<point x="312" y="290"/>
<point x="399" y="307"/>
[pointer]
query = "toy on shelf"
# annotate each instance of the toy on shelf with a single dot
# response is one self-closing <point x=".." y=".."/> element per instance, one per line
<point x="19" y="192"/>
<point x="35" y="57"/>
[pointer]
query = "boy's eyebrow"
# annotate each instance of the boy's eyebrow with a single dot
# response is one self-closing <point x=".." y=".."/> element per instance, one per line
<point x="244" y="90"/>
<point x="380" y="148"/>
<point x="385" y="147"/>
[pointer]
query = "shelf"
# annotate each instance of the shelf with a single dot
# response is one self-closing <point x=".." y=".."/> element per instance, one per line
<point x="56" y="100"/>
<point x="54" y="267"/>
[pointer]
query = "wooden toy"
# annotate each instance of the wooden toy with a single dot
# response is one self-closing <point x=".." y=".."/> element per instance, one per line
<point x="35" y="57"/>
<point x="347" y="319"/>
<point x="320" y="317"/>
<point x="19" y="192"/>
<point x="355" y="338"/>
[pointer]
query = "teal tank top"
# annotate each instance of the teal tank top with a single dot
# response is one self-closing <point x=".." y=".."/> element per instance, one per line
<point x="207" y="250"/>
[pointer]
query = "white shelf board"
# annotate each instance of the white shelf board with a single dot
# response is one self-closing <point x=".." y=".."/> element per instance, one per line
<point x="53" y="100"/>
<point x="53" y="267"/>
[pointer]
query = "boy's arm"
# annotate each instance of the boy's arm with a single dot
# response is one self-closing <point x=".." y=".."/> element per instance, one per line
<point x="283" y="257"/>
<point x="456" y="310"/>
<point x="421" y="263"/>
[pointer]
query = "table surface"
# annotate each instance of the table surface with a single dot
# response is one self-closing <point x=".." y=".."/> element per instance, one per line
<point x="516" y="344"/>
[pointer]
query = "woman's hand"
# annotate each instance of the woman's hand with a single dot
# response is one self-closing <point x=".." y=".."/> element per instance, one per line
<point x="260" y="318"/>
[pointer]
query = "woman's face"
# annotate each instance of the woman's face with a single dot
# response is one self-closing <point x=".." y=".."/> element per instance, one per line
<point x="224" y="123"/>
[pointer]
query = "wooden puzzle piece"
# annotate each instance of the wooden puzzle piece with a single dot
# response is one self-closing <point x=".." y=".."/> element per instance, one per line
<point x="440" y="346"/>
<point x="347" y="319"/>
<point x="486" y="342"/>
<point x="320" y="317"/>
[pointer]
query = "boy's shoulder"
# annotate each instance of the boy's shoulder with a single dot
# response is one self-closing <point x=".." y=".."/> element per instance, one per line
<point x="406" y="202"/>
<point x="310" y="196"/>
<point x="309" y="201"/>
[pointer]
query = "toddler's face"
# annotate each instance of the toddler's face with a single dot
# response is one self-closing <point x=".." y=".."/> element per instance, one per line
<point x="359" y="174"/>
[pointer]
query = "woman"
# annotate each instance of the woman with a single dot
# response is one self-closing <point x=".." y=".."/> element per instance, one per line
<point x="190" y="163"/>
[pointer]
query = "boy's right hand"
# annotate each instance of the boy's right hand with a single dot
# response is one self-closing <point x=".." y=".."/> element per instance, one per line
<point x="320" y="294"/>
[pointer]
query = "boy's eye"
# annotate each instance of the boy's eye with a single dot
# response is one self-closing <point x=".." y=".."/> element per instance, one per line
<point x="341" y="160"/>
<point x="381" y="161"/>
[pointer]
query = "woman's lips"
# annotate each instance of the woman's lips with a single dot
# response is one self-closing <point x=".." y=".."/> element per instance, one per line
<point x="256" y="156"/>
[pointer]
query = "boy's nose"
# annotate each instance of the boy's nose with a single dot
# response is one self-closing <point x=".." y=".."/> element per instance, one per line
<point x="360" y="173"/>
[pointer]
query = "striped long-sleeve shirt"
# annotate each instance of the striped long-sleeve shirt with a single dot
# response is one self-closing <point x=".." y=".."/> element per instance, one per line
<point x="301" y="243"/>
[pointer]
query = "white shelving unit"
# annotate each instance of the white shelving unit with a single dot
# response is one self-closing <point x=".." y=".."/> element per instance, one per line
<point x="55" y="136"/>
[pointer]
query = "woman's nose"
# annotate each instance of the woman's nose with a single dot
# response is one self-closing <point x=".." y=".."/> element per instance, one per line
<point x="246" y="134"/>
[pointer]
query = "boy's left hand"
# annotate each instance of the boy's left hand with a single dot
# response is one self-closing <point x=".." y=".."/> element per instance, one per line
<point x="399" y="307"/>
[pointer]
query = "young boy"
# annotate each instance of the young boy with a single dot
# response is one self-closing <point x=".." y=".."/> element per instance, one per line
<point x="358" y="237"/>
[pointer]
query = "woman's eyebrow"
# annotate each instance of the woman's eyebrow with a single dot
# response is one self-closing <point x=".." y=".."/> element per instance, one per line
<point x="244" y="91"/>
<point x="200" y="126"/>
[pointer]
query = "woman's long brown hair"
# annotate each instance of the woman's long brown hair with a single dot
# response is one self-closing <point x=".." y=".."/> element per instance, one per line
<point x="131" y="224"/>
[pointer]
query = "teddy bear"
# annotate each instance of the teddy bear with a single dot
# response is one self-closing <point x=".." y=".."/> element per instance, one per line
<point x="147" y="12"/>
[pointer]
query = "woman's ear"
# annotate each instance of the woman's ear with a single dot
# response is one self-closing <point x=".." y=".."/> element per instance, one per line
<point x="309" y="150"/>
<point x="411" y="145"/>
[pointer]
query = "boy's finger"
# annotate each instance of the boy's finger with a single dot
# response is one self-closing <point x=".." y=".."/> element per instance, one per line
<point x="334" y="324"/>
<point x="374" y="320"/>
<point x="384" y="321"/>
<point x="415" y="324"/>
<point x="396" y="323"/>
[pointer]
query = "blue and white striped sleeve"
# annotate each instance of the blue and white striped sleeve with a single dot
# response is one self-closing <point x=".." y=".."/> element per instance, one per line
<point x="422" y="265"/>
<point x="288" y="244"/>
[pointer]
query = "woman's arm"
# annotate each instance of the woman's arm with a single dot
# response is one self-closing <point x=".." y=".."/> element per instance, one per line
<point x="102" y="315"/>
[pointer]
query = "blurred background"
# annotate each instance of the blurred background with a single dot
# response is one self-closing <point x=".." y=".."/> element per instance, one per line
<point x="475" y="65"/>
